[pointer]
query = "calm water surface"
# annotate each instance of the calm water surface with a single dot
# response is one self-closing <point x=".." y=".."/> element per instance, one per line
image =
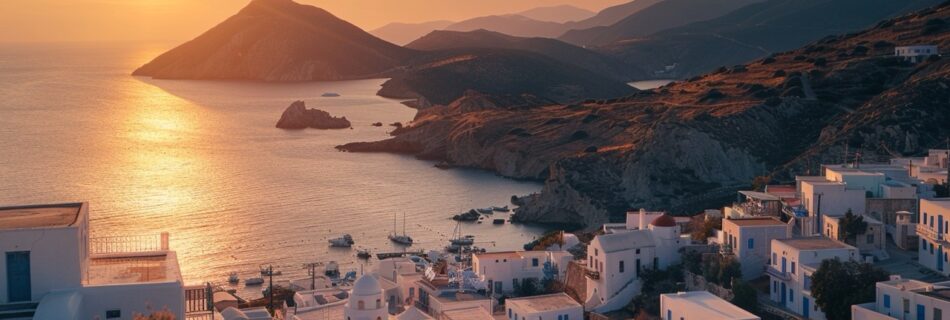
<point x="203" y="161"/>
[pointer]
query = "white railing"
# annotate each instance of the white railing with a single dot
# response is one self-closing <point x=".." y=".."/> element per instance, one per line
<point x="128" y="244"/>
<point x="928" y="232"/>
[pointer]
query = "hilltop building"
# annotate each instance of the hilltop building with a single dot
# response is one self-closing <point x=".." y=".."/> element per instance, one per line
<point x="870" y="242"/>
<point x="916" y="54"/>
<point x="505" y="271"/>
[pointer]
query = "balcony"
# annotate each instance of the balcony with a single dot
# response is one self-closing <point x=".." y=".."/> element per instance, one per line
<point x="128" y="245"/>
<point x="131" y="259"/>
<point x="593" y="274"/>
<point x="784" y="276"/>
<point x="929" y="233"/>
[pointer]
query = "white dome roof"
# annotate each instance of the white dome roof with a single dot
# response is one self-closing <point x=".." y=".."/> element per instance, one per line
<point x="367" y="285"/>
<point x="232" y="313"/>
<point x="413" y="314"/>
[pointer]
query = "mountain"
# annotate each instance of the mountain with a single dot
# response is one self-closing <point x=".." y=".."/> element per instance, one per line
<point x="691" y="144"/>
<point x="660" y="16"/>
<point x="560" y="14"/>
<point x="753" y="32"/>
<point x="439" y="77"/>
<point x="278" y="40"/>
<point x="403" y="33"/>
<point x="557" y="50"/>
<point x="510" y="24"/>
<point x="611" y="15"/>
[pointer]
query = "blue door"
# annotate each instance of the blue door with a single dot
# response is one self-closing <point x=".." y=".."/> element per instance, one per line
<point x="784" y="294"/>
<point x="805" y="307"/>
<point x="921" y="312"/>
<point x="18" y="276"/>
<point x="940" y="258"/>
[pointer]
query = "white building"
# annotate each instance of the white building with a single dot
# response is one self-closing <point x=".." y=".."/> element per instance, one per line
<point x="438" y="296"/>
<point x="932" y="229"/>
<point x="905" y="299"/>
<point x="832" y="198"/>
<point x="616" y="260"/>
<point x="916" y="53"/>
<point x="750" y="239"/>
<point x="700" y="305"/>
<point x="871" y="241"/>
<point x="557" y="306"/>
<point x="904" y="231"/>
<point x="366" y="301"/>
<point x="50" y="262"/>
<point x="793" y="262"/>
<point x="502" y="270"/>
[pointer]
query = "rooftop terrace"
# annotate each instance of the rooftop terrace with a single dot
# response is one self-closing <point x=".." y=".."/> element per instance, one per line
<point x="814" y="243"/>
<point x="711" y="304"/>
<point x="138" y="268"/>
<point x="40" y="216"/>
<point x="543" y="303"/>
<point x="756" y="222"/>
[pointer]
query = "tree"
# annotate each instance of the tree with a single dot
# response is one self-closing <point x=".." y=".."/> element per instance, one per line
<point x="744" y="296"/>
<point x="759" y="183"/>
<point x="702" y="229"/>
<point x="850" y="226"/>
<point x="655" y="283"/>
<point x="729" y="270"/>
<point x="837" y="285"/>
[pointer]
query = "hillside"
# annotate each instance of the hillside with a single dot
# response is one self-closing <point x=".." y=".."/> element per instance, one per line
<point x="557" y="50"/>
<point x="689" y="145"/>
<point x="403" y="33"/>
<point x="660" y="16"/>
<point x="559" y="14"/>
<point x="510" y="24"/>
<point x="611" y="15"/>
<point x="442" y="76"/>
<point x="753" y="32"/>
<point x="278" y="40"/>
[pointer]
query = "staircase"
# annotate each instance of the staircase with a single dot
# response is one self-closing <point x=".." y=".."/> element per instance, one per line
<point x="19" y="310"/>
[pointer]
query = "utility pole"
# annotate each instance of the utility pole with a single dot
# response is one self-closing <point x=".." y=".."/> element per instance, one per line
<point x="270" y="288"/>
<point x="818" y="214"/>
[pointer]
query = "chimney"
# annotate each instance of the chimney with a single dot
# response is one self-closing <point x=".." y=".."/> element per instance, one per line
<point x="643" y="218"/>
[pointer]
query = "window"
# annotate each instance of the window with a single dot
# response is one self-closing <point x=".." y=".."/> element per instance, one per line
<point x="870" y="239"/>
<point x="638" y="251"/>
<point x="775" y="286"/>
<point x="596" y="252"/>
<point x="887" y="301"/>
<point x="360" y="305"/>
<point x="621" y="266"/>
<point x="774" y="261"/>
<point x="379" y="304"/>
<point x="751" y="243"/>
<point x="534" y="262"/>
<point x="514" y="283"/>
<point x="567" y="317"/>
<point x="938" y="314"/>
<point x="807" y="283"/>
<point x="669" y="314"/>
<point x="638" y="268"/>
<point x="412" y="292"/>
<point x="113" y="314"/>
<point x="791" y="295"/>
<point x="793" y="267"/>
<point x="509" y="313"/>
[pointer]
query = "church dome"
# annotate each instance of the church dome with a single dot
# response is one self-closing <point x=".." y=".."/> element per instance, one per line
<point x="664" y="220"/>
<point x="366" y="286"/>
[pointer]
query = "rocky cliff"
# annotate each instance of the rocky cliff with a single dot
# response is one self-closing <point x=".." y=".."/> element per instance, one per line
<point x="691" y="144"/>
<point x="297" y="116"/>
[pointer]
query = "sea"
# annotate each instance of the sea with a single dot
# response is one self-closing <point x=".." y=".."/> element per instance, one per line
<point x="203" y="161"/>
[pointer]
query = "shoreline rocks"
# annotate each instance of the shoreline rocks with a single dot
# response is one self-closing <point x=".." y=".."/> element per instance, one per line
<point x="297" y="116"/>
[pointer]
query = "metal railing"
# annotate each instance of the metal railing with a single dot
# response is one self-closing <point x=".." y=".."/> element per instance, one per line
<point x="199" y="302"/>
<point x="128" y="244"/>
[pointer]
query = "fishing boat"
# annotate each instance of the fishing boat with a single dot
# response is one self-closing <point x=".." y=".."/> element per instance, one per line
<point x="500" y="209"/>
<point x="269" y="271"/>
<point x="498" y="221"/>
<point x="363" y="254"/>
<point x="345" y="241"/>
<point x="233" y="278"/>
<point x="332" y="270"/>
<point x="256" y="281"/>
<point x="330" y="95"/>
<point x="400" y="238"/>
<point x="488" y="210"/>
<point x="458" y="239"/>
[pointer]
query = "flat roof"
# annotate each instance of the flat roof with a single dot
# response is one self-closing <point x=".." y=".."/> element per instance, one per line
<point x="544" y="303"/>
<point x="711" y="305"/>
<point x="499" y="255"/>
<point x="813" y="243"/>
<point x="756" y="222"/>
<point x="40" y="216"/>
<point x="906" y="284"/>
<point x="140" y="268"/>
<point x="473" y="313"/>
<point x="759" y="195"/>
<point x="939" y="293"/>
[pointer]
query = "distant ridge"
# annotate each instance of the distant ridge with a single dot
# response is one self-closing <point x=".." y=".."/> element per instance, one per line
<point x="561" y="14"/>
<point x="403" y="33"/>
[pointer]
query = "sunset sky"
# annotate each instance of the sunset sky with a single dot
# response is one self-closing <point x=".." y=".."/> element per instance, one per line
<point x="177" y="20"/>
